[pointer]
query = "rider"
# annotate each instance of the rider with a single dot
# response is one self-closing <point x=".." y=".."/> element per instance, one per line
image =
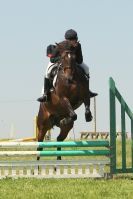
<point x="53" y="54"/>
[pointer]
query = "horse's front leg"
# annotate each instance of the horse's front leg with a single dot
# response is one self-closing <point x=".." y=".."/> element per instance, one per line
<point x="88" y="115"/>
<point x="42" y="132"/>
<point x="67" y="122"/>
<point x="64" y="130"/>
<point x="68" y="110"/>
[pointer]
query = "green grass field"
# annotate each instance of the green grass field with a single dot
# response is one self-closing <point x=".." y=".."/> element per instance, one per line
<point x="66" y="188"/>
<point x="121" y="186"/>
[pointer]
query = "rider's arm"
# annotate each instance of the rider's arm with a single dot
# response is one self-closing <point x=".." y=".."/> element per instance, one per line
<point x="55" y="56"/>
<point x="54" y="59"/>
<point x="79" y="56"/>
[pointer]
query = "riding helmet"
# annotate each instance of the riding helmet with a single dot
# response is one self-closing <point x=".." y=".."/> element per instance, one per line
<point x="71" y="34"/>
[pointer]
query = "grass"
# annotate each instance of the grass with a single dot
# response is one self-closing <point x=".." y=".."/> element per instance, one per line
<point x="66" y="188"/>
<point x="120" y="187"/>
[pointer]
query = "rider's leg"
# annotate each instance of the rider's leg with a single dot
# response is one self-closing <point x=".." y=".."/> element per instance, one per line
<point x="86" y="70"/>
<point x="47" y="84"/>
<point x="47" y="87"/>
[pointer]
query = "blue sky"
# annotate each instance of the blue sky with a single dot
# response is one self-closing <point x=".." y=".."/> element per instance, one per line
<point x="26" y="28"/>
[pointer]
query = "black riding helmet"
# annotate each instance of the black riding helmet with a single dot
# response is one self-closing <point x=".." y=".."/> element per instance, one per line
<point x="71" y="34"/>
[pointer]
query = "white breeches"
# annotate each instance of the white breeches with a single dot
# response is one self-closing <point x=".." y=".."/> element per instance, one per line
<point x="85" y="67"/>
<point x="49" y="69"/>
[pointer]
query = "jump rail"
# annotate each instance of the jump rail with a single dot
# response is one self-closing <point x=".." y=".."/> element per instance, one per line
<point x="52" y="168"/>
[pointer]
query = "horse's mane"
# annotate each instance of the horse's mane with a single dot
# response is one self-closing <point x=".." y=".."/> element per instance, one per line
<point x="64" y="45"/>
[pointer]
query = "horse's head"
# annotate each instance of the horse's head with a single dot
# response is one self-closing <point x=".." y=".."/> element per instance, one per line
<point x="67" y="59"/>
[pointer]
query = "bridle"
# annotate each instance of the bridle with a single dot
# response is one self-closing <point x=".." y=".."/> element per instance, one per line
<point x="67" y="59"/>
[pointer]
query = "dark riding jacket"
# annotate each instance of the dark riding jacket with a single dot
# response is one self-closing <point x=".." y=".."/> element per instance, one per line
<point x="55" y="54"/>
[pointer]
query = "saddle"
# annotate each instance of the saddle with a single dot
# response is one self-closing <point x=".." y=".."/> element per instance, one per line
<point x="54" y="72"/>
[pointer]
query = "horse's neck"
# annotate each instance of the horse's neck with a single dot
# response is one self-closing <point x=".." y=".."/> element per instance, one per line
<point x="79" y="74"/>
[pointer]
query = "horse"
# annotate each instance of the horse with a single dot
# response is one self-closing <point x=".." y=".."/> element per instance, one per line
<point x="68" y="93"/>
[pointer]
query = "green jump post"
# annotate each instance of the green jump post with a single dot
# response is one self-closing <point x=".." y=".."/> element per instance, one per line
<point x="112" y="125"/>
<point x="114" y="93"/>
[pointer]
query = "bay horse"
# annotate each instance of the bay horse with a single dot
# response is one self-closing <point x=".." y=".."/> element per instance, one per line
<point x="69" y="92"/>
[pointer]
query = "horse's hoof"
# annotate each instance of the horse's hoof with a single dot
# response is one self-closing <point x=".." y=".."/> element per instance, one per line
<point x="55" y="169"/>
<point x="88" y="116"/>
<point x="74" y="117"/>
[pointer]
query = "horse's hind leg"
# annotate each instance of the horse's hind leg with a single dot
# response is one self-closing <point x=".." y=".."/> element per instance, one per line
<point x="64" y="130"/>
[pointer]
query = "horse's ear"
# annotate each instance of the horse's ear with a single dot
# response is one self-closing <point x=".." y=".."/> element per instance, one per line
<point x="59" y="46"/>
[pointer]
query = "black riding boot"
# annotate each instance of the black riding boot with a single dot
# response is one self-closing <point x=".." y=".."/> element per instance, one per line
<point x="47" y="86"/>
<point x="92" y="94"/>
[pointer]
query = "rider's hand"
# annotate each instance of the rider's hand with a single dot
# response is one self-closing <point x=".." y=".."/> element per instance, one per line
<point x="74" y="43"/>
